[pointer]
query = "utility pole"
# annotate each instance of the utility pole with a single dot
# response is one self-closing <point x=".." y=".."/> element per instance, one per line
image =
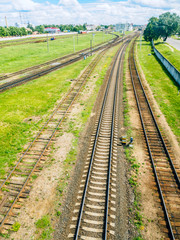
<point x="74" y="42"/>
<point x="140" y="40"/>
<point x="6" y="21"/>
<point x="47" y="43"/>
<point x="91" y="46"/>
<point x="77" y="38"/>
<point x="93" y="38"/>
<point x="20" y="18"/>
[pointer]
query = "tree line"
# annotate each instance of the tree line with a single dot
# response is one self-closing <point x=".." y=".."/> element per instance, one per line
<point x="166" y="25"/>
<point x="13" y="31"/>
<point x="70" y="27"/>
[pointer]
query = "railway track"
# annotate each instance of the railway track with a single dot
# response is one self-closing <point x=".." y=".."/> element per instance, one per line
<point x="94" y="214"/>
<point x="29" y="41"/>
<point x="16" y="185"/>
<point x="46" y="63"/>
<point x="50" y="66"/>
<point x="165" y="171"/>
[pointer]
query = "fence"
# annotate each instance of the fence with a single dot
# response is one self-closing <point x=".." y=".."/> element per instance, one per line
<point x="170" y="68"/>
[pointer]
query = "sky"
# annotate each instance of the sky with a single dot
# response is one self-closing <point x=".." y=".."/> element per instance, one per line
<point x="84" y="11"/>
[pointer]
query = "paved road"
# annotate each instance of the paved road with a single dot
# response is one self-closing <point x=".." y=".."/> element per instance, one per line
<point x="173" y="42"/>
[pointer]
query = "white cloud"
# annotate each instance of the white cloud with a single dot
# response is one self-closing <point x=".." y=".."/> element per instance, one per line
<point x="24" y="4"/>
<point x="162" y="4"/>
<point x="69" y="3"/>
<point x="71" y="11"/>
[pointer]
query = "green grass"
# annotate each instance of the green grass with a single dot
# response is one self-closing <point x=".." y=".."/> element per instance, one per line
<point x="15" y="227"/>
<point x="172" y="56"/>
<point x="165" y="90"/>
<point x="176" y="37"/>
<point x="18" y="57"/>
<point x="44" y="225"/>
<point x="24" y="108"/>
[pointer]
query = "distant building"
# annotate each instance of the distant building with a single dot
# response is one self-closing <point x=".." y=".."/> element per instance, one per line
<point x="52" y="30"/>
<point x="121" y="27"/>
<point x="130" y="27"/>
<point x="20" y="25"/>
<point x="91" y="27"/>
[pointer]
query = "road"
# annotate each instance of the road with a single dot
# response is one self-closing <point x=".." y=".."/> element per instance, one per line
<point x="173" y="42"/>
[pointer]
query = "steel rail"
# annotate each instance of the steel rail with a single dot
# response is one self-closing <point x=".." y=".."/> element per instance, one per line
<point x="31" y="40"/>
<point x="25" y="183"/>
<point x="111" y="146"/>
<point x="164" y="144"/>
<point x="93" y="152"/>
<point x="62" y="101"/>
<point x="40" y="65"/>
<point x="42" y="73"/>
<point x="46" y="71"/>
<point x="147" y="141"/>
<point x="51" y="61"/>
<point x="37" y="135"/>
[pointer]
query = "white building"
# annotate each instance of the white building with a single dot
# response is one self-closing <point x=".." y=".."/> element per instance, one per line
<point x="52" y="30"/>
<point x="91" y="27"/>
<point x="121" y="27"/>
<point x="130" y="27"/>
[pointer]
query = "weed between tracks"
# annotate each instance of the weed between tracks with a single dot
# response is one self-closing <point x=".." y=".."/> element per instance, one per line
<point x="44" y="226"/>
<point x="135" y="210"/>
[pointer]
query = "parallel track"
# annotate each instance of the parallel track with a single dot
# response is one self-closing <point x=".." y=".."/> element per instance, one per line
<point x="165" y="172"/>
<point x="32" y="40"/>
<point x="47" y="67"/>
<point x="95" y="210"/>
<point x="16" y="185"/>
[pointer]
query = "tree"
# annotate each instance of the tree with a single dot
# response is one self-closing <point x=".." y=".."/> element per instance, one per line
<point x="84" y="26"/>
<point x="24" y="31"/>
<point x="3" y="32"/>
<point x="13" y="31"/>
<point x="98" y="27"/>
<point x="30" y="27"/>
<point x="39" y="28"/>
<point x="167" y="25"/>
<point x="151" y="31"/>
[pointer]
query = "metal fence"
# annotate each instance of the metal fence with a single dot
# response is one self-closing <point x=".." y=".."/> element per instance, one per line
<point x="170" y="68"/>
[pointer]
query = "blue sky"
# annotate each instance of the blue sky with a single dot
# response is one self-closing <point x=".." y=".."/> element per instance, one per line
<point x="84" y="11"/>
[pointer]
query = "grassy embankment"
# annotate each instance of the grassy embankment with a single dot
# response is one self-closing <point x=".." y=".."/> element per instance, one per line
<point x="166" y="50"/>
<point x="18" y="57"/>
<point x="176" y="37"/>
<point x="165" y="90"/>
<point x="24" y="108"/>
